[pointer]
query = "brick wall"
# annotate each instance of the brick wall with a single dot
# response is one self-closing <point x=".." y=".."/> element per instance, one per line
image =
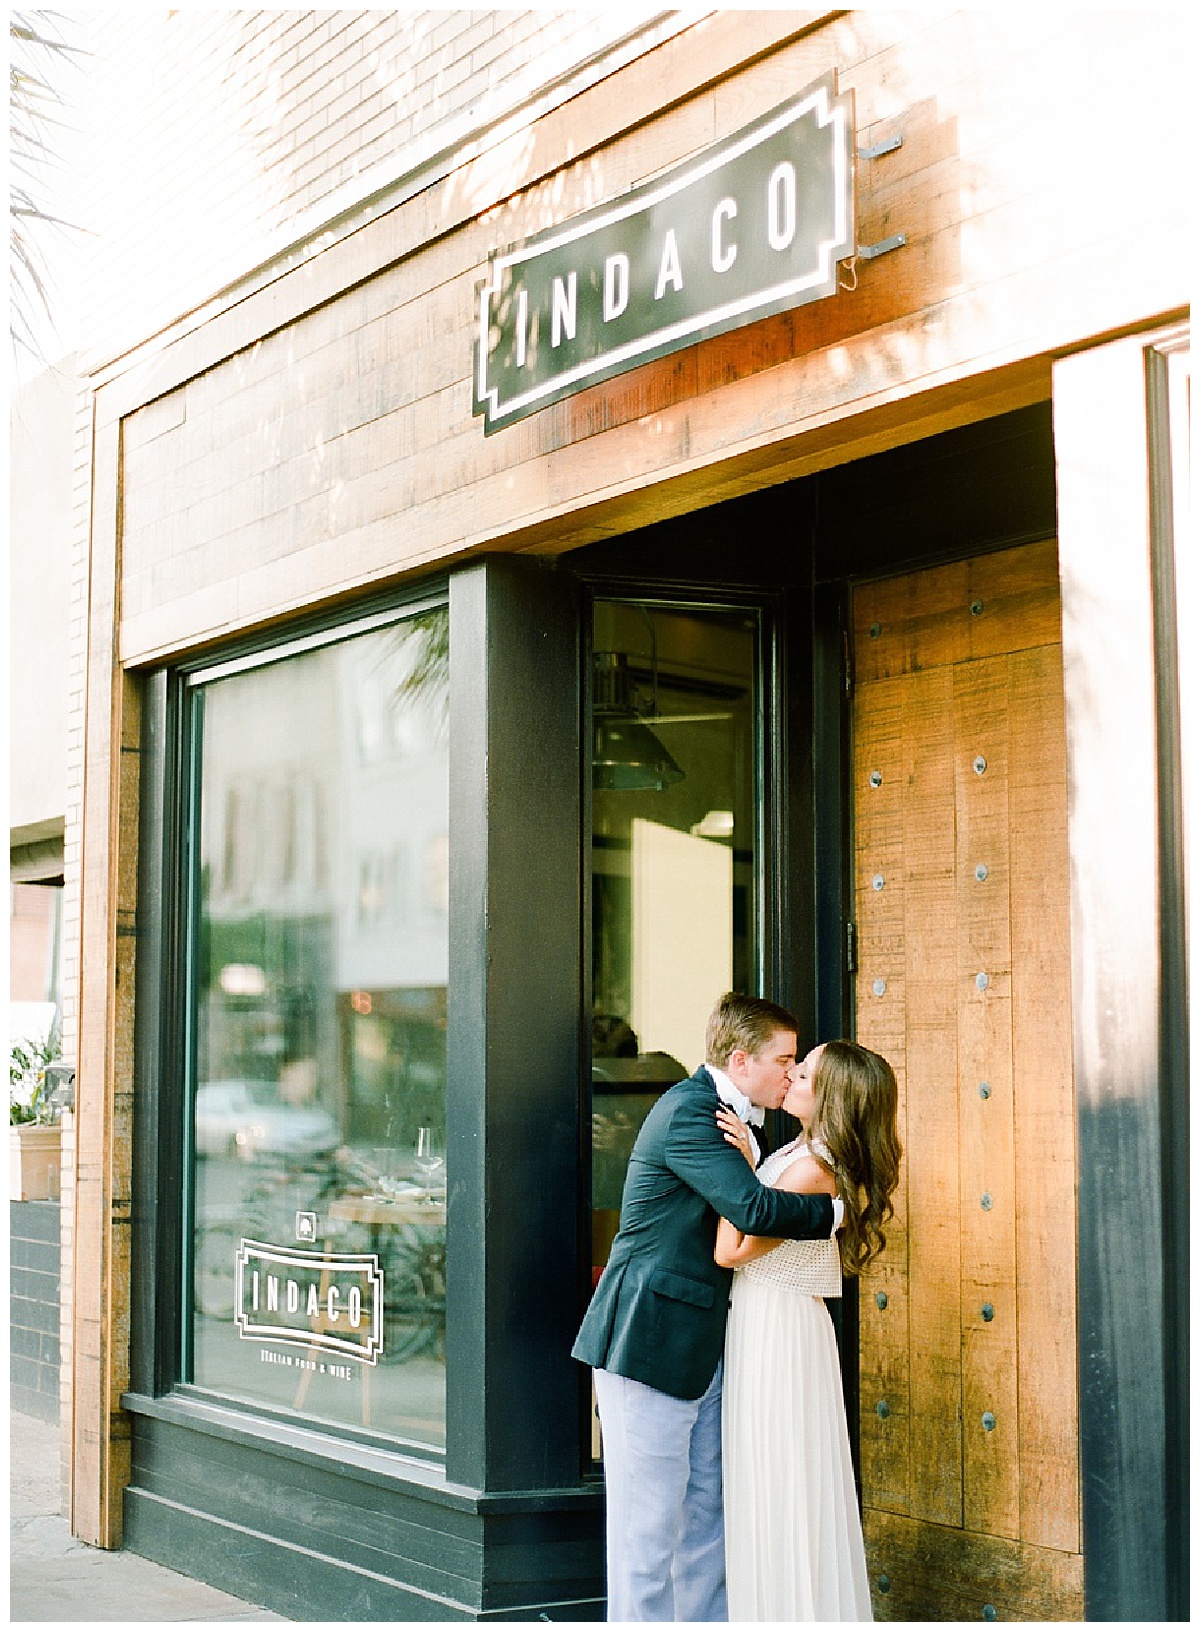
<point x="34" y="1308"/>
<point x="268" y="124"/>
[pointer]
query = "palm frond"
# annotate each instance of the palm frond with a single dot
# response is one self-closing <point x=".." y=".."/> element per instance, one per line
<point x="37" y="44"/>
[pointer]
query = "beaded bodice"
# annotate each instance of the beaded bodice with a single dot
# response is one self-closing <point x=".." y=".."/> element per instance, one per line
<point x="810" y="1267"/>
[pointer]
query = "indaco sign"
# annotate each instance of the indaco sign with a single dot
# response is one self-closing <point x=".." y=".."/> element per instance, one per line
<point x="752" y="226"/>
<point x="319" y="1300"/>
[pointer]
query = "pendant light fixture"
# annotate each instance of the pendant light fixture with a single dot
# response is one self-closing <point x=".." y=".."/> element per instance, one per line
<point x="626" y="754"/>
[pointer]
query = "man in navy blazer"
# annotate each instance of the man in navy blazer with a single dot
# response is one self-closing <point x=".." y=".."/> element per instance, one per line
<point x="655" y="1328"/>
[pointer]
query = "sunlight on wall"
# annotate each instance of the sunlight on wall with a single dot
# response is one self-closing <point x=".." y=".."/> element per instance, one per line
<point x="217" y="139"/>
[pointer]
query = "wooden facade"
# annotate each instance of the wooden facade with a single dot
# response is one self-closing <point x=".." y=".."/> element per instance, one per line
<point x="300" y="422"/>
<point x="969" y="1420"/>
<point x="307" y="441"/>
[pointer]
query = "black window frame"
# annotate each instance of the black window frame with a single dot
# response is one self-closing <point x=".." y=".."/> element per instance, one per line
<point x="160" y="1248"/>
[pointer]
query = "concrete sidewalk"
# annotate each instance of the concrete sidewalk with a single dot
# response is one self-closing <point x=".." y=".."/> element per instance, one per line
<point x="55" y="1577"/>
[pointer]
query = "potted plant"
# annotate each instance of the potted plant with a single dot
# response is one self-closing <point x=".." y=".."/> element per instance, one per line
<point x="35" y="1137"/>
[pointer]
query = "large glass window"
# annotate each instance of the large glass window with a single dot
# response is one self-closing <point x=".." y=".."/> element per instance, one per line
<point x="317" y="1011"/>
<point x="675" y="858"/>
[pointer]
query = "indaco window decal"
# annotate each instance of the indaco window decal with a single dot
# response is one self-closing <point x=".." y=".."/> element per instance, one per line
<point x="331" y="1301"/>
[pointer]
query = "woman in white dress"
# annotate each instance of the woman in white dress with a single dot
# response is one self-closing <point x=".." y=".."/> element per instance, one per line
<point x="793" y="1536"/>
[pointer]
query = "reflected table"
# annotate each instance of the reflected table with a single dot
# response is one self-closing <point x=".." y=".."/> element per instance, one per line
<point x="407" y="1235"/>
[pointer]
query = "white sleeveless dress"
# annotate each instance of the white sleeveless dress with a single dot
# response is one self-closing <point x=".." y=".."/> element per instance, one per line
<point x="793" y="1536"/>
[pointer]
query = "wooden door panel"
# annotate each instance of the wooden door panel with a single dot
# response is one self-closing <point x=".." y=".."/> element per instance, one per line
<point x="992" y="604"/>
<point x="969" y="1425"/>
<point x="955" y="1575"/>
<point x="927" y="887"/>
<point x="983" y="990"/>
<point x="1044" y="1112"/>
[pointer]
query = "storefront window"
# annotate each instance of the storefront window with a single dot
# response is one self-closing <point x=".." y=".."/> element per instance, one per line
<point x="675" y="858"/>
<point x="319" y="930"/>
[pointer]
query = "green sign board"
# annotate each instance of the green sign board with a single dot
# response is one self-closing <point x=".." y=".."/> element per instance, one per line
<point x="754" y="225"/>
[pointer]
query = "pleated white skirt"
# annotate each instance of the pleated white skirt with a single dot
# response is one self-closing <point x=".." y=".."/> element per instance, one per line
<point x="793" y="1537"/>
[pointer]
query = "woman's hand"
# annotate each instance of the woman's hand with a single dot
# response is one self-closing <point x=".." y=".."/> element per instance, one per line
<point x="736" y="1133"/>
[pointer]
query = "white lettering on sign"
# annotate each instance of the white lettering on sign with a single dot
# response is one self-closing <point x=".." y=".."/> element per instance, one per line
<point x="669" y="269"/>
<point x="616" y="286"/>
<point x="522" y="326"/>
<point x="754" y="225"/>
<point x="781" y="206"/>
<point x="723" y="254"/>
<point x="324" y="1368"/>
<point x="562" y="316"/>
<point x="331" y="1301"/>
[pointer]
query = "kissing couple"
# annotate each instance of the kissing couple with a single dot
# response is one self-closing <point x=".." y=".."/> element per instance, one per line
<point x="729" y="1487"/>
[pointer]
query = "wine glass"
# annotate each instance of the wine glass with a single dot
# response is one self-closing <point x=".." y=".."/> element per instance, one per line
<point x="430" y="1160"/>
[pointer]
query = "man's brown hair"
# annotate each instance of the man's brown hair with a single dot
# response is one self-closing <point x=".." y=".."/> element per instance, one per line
<point x="743" y="1022"/>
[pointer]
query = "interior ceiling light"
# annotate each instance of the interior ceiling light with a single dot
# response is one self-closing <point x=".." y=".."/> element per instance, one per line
<point x="626" y="755"/>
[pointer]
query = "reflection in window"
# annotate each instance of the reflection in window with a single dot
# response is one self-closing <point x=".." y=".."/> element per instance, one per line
<point x="674" y="858"/>
<point x="318" y="1005"/>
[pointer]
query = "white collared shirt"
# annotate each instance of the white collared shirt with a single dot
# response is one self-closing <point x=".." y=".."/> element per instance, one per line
<point x="753" y="1116"/>
<point x="744" y="1109"/>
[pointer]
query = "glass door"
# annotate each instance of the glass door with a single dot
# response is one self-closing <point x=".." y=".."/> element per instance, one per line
<point x="676" y="857"/>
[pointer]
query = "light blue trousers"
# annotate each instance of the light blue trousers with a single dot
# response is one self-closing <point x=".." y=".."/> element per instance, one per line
<point x="664" y="1520"/>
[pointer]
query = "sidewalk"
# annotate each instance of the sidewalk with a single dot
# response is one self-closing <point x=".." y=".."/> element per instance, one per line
<point x="55" y="1577"/>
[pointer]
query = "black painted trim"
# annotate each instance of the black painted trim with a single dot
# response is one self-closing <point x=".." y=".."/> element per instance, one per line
<point x="291" y="1525"/>
<point x="832" y="810"/>
<point x="1109" y="690"/>
<point x="156" y="1303"/>
<point x="833" y="854"/>
<point x="515" y="1047"/>
<point x="1165" y="443"/>
<point x="515" y="1034"/>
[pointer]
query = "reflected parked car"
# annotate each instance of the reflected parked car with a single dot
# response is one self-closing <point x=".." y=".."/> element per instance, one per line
<point x="249" y="1119"/>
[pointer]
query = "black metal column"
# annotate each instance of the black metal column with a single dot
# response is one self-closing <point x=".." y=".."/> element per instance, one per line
<point x="514" y="1028"/>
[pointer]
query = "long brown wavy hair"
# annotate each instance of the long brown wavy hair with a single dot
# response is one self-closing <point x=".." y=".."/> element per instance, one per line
<point x="855" y="1103"/>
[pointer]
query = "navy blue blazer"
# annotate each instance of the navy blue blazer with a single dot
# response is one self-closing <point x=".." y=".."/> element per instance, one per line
<point x="658" y="1314"/>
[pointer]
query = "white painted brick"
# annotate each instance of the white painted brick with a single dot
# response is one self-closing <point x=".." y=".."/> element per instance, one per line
<point x="256" y="121"/>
